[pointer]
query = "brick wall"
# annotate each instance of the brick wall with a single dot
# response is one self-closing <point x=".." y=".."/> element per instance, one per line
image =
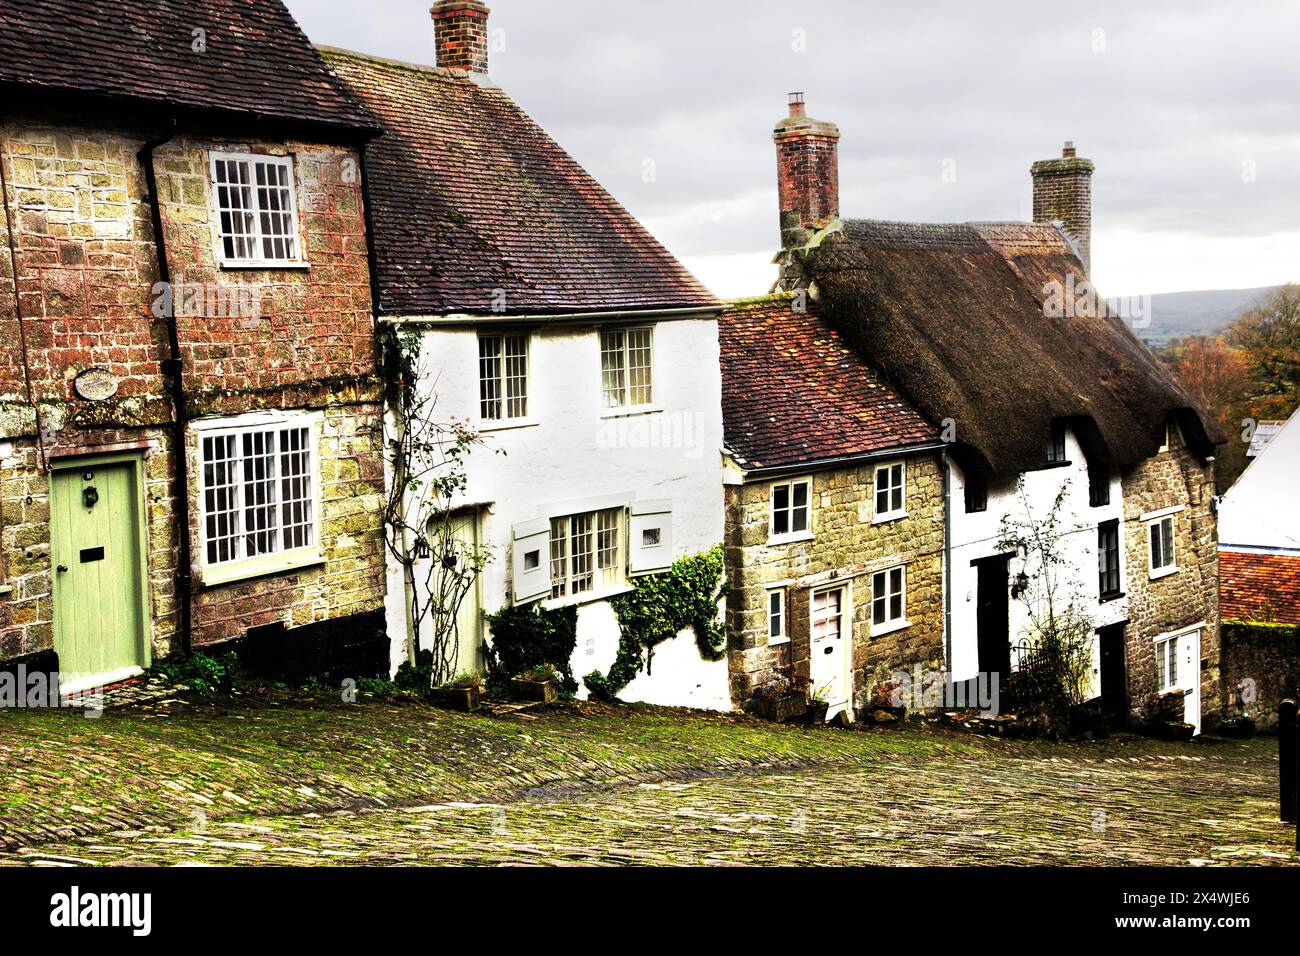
<point x="1063" y="193"/>
<point x="1171" y="478"/>
<point x="849" y="547"/>
<point x="1261" y="668"/>
<point x="808" y="176"/>
<point x="87" y="269"/>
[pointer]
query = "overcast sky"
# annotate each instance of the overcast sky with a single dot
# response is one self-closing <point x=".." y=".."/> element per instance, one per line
<point x="1191" y="111"/>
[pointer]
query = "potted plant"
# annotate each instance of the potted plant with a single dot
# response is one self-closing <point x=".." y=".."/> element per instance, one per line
<point x="778" y="702"/>
<point x="465" y="694"/>
<point x="540" y="684"/>
<point x="818" y="704"/>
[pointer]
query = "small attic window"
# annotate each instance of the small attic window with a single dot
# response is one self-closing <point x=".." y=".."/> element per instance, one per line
<point x="977" y="493"/>
<point x="1056" y="446"/>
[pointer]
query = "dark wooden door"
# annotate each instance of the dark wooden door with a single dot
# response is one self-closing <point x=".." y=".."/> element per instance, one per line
<point x="1114" y="676"/>
<point x="993" y="617"/>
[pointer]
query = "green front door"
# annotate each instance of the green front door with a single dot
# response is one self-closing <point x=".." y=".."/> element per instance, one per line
<point x="95" y="528"/>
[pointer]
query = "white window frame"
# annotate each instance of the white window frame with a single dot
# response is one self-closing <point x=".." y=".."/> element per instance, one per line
<point x="806" y="533"/>
<point x="295" y="232"/>
<point x="1163" y="570"/>
<point x="273" y="562"/>
<point x="890" y="623"/>
<point x="778" y="620"/>
<point x="900" y="492"/>
<point x="502" y="381"/>
<point x="624" y="403"/>
<point x="605" y="580"/>
<point x="1167" y="663"/>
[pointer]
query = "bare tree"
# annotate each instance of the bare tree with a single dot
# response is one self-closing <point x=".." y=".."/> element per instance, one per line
<point x="426" y="463"/>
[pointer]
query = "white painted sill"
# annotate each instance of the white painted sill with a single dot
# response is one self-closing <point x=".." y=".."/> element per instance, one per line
<point x="888" y="517"/>
<point x="1162" y="573"/>
<point x="590" y="597"/>
<point x="259" y="265"/>
<point x="509" y="424"/>
<point x="777" y="641"/>
<point x="779" y="539"/>
<point x="6" y="589"/>
<point x="631" y="411"/>
<point x="261" y="567"/>
<point x="883" y="629"/>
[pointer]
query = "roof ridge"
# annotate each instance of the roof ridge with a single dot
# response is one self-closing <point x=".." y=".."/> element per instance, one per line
<point x="439" y="71"/>
<point x="756" y="300"/>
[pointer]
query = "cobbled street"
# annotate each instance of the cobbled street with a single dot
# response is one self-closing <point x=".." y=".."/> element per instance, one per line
<point x="293" y="781"/>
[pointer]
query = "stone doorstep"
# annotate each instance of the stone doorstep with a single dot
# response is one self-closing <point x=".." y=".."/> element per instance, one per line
<point x="126" y="693"/>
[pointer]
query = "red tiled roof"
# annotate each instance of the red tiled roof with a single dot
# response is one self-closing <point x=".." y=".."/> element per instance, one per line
<point x="471" y="199"/>
<point x="1259" y="588"/>
<point x="255" y="58"/>
<point x="793" y="391"/>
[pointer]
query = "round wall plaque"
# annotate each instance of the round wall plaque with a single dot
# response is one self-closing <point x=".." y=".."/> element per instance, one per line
<point x="95" y="384"/>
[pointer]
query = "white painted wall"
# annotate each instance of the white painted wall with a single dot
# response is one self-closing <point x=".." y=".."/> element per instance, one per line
<point x="975" y="536"/>
<point x="572" y="451"/>
<point x="1258" y="512"/>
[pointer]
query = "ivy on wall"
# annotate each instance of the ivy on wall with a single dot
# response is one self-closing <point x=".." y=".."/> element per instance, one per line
<point x="658" y="608"/>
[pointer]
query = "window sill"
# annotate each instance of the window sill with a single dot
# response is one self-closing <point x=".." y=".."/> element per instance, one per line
<point x="507" y="425"/>
<point x="631" y="411"/>
<point x="779" y="539"/>
<point x="1058" y="464"/>
<point x="888" y="517"/>
<point x="6" y="589"/>
<point x="260" y="567"/>
<point x="591" y="597"/>
<point x="882" y="629"/>
<point x="778" y="641"/>
<point x="1162" y="573"/>
<point x="260" y="266"/>
<point x="1107" y="598"/>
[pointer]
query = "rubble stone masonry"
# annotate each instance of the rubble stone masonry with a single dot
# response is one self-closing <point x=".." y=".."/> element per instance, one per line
<point x="1173" y="477"/>
<point x="846" y="546"/>
<point x="87" y="267"/>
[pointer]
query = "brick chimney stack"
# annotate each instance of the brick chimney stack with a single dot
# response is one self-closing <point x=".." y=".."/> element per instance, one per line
<point x="808" y="174"/>
<point x="1063" y="193"/>
<point x="460" y="29"/>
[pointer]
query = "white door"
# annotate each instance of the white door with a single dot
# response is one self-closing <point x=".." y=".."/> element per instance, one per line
<point x="829" y="668"/>
<point x="1189" y="675"/>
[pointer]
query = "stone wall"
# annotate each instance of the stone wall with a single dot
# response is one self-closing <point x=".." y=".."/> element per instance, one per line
<point x="1173" y="477"/>
<point x="1261" y="668"/>
<point x="86" y="277"/>
<point x="846" y="547"/>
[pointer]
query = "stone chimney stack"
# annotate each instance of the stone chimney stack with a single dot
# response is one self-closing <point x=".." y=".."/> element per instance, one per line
<point x="1063" y="193"/>
<point x="460" y="30"/>
<point x="808" y="174"/>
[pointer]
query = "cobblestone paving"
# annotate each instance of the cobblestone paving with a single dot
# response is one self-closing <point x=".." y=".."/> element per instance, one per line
<point x="386" y="784"/>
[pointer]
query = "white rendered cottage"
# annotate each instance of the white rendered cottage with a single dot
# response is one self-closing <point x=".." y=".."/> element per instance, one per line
<point x="554" y="325"/>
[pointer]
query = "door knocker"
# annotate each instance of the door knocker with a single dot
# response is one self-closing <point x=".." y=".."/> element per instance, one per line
<point x="90" y="496"/>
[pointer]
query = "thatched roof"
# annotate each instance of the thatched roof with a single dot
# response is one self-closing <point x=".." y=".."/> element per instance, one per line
<point x="954" y="317"/>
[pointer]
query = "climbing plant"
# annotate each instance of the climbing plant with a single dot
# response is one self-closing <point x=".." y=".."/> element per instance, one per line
<point x="524" y="638"/>
<point x="658" y="608"/>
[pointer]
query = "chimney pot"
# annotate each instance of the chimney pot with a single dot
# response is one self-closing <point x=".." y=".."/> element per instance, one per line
<point x="1063" y="193"/>
<point x="460" y="30"/>
<point x="797" y="105"/>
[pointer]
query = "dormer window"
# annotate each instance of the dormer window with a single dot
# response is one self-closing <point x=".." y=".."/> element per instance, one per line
<point x="977" y="493"/>
<point x="1098" y="486"/>
<point x="1056" y="446"/>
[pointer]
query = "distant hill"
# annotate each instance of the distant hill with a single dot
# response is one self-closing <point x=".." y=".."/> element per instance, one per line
<point x="1176" y="315"/>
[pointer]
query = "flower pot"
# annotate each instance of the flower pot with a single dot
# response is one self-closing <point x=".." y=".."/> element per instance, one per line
<point x="816" y="713"/>
<point x="540" y="691"/>
<point x="464" y="699"/>
<point x="780" y="709"/>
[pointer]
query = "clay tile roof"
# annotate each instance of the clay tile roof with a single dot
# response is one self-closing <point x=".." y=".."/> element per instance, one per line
<point x="793" y="391"/>
<point x="257" y="61"/>
<point x="954" y="315"/>
<point x="470" y="196"/>
<point x="1259" y="588"/>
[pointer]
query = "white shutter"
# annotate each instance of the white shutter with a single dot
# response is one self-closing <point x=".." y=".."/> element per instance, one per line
<point x="650" y="537"/>
<point x="531" y="560"/>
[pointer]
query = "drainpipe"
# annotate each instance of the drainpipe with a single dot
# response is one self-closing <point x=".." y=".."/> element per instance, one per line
<point x="172" y="371"/>
<point x="947" y="563"/>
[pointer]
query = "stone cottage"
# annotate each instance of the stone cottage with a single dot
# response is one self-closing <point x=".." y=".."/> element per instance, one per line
<point x="835" y="500"/>
<point x="554" y="327"/>
<point x="1052" y="412"/>
<point x="188" y="392"/>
